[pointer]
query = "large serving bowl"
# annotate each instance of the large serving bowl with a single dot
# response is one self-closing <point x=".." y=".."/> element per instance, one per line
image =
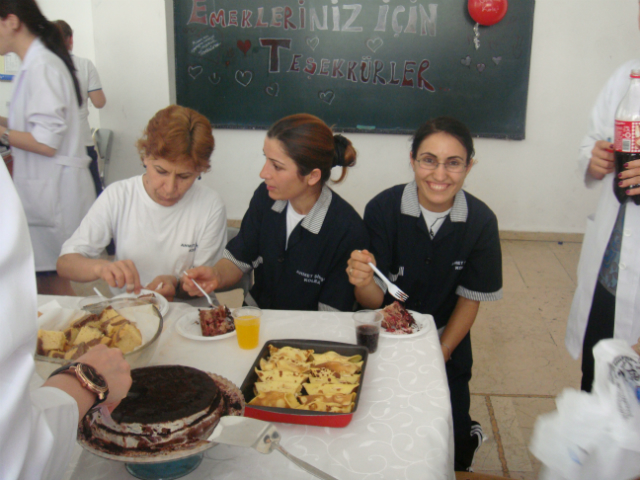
<point x="140" y="357"/>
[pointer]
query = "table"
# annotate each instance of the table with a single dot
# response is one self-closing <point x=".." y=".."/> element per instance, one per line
<point x="401" y="430"/>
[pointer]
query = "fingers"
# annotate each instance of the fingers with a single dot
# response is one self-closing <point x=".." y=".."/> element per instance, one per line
<point x="165" y="285"/>
<point x="206" y="278"/>
<point x="629" y="178"/>
<point x="122" y="274"/>
<point x="602" y="159"/>
<point x="358" y="270"/>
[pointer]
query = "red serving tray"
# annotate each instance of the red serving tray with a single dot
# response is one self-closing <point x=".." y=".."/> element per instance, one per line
<point x="302" y="417"/>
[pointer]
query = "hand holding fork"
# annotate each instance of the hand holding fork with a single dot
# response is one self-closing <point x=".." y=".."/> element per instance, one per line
<point x="364" y="257"/>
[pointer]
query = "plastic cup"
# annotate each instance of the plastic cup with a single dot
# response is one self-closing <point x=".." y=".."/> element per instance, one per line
<point x="247" y="321"/>
<point x="368" y="323"/>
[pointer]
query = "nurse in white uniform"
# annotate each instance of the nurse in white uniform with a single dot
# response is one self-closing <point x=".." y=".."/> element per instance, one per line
<point x="50" y="162"/>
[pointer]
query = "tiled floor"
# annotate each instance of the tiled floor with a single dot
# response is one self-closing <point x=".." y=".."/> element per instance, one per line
<point x="521" y="363"/>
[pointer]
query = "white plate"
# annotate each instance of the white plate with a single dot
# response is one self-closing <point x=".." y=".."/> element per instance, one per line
<point x="189" y="327"/>
<point x="163" y="304"/>
<point x="423" y="320"/>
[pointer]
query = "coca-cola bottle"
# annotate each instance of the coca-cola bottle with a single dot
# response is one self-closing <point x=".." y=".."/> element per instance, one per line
<point x="626" y="143"/>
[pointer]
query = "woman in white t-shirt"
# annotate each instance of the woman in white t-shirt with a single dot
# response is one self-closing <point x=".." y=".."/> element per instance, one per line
<point x="161" y="222"/>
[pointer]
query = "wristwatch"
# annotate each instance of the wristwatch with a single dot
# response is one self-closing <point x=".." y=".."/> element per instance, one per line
<point x="89" y="378"/>
<point x="4" y="138"/>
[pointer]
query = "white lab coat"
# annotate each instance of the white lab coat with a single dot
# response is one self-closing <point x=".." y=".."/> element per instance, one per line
<point x="599" y="227"/>
<point x="56" y="192"/>
<point x="37" y="430"/>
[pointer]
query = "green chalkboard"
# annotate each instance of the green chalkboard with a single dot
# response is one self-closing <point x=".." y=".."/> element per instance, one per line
<point x="381" y="66"/>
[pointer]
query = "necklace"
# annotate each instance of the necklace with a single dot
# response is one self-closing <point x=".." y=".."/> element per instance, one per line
<point x="431" y="232"/>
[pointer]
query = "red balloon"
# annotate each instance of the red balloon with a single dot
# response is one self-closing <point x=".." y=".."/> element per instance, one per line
<point x="487" y="12"/>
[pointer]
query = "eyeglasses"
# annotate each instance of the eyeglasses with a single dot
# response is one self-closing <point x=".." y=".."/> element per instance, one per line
<point x="453" y="165"/>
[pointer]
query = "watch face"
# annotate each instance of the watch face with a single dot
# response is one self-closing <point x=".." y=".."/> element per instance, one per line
<point x="93" y="376"/>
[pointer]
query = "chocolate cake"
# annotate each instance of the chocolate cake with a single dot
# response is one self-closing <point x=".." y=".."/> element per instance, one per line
<point x="169" y="407"/>
<point x="216" y="321"/>
<point x="396" y="319"/>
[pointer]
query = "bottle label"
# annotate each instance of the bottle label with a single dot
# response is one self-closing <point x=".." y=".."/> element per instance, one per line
<point x="627" y="136"/>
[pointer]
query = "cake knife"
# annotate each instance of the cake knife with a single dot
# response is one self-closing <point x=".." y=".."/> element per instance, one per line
<point x="259" y="435"/>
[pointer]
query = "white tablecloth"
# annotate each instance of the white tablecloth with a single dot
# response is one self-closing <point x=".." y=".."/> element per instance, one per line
<point x="402" y="428"/>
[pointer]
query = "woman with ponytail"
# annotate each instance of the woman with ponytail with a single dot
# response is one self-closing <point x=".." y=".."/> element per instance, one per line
<point x="43" y="129"/>
<point x="297" y="234"/>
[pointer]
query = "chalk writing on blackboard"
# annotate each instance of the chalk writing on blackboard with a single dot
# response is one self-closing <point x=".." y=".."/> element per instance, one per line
<point x="389" y="63"/>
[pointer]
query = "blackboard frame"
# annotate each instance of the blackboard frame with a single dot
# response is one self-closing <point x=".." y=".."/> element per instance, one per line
<point x="487" y="87"/>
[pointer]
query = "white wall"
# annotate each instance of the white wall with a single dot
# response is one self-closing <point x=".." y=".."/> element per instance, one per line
<point x="532" y="185"/>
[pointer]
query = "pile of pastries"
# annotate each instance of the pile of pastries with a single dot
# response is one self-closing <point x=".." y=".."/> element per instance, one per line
<point x="109" y="328"/>
<point x="305" y="380"/>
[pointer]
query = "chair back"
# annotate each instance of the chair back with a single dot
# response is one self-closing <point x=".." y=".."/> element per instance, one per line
<point x="103" y="140"/>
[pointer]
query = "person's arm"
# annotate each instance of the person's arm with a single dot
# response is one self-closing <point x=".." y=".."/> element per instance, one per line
<point x="94" y="86"/>
<point x="368" y="293"/>
<point x="45" y="113"/>
<point x="460" y="322"/>
<point x="26" y="141"/>
<point x="98" y="98"/>
<point x="223" y="274"/>
<point x="118" y="274"/>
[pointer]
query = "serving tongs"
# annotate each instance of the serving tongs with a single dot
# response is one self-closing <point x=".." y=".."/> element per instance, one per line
<point x="97" y="308"/>
<point x="259" y="435"/>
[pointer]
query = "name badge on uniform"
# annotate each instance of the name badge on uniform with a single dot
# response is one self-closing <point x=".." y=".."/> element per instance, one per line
<point x="311" y="277"/>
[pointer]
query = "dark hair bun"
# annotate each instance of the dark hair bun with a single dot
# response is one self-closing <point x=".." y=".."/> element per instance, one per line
<point x="342" y="156"/>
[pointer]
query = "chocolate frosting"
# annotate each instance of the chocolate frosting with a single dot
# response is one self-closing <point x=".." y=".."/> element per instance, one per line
<point x="166" y="393"/>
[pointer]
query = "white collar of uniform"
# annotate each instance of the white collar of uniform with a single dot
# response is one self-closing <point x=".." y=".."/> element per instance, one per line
<point x="315" y="218"/>
<point x="34" y="47"/>
<point x="411" y="206"/>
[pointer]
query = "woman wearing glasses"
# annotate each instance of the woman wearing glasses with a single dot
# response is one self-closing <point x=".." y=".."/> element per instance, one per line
<point x="440" y="245"/>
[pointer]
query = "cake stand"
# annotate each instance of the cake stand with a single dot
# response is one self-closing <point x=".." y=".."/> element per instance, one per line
<point x="168" y="465"/>
<point x="162" y="465"/>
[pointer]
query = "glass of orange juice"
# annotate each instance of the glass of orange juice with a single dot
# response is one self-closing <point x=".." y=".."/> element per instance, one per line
<point x="247" y="321"/>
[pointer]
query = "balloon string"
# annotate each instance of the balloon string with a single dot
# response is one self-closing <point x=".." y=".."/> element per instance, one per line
<point x="476" y="39"/>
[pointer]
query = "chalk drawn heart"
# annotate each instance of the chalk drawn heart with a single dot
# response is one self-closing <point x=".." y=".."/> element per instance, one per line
<point x="214" y="78"/>
<point x="273" y="89"/>
<point x="496" y="60"/>
<point x="481" y="67"/>
<point x="244" y="78"/>
<point x="194" y="71"/>
<point x="244" y="46"/>
<point x="313" y="42"/>
<point x="327" y="96"/>
<point x="374" y="44"/>
<point x="466" y="61"/>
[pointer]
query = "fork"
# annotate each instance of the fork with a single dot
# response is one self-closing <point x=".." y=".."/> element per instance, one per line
<point x="393" y="289"/>
<point x="211" y="303"/>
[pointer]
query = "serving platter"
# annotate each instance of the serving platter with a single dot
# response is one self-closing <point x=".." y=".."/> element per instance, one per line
<point x="425" y="324"/>
<point x="189" y="327"/>
<point x="302" y="417"/>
